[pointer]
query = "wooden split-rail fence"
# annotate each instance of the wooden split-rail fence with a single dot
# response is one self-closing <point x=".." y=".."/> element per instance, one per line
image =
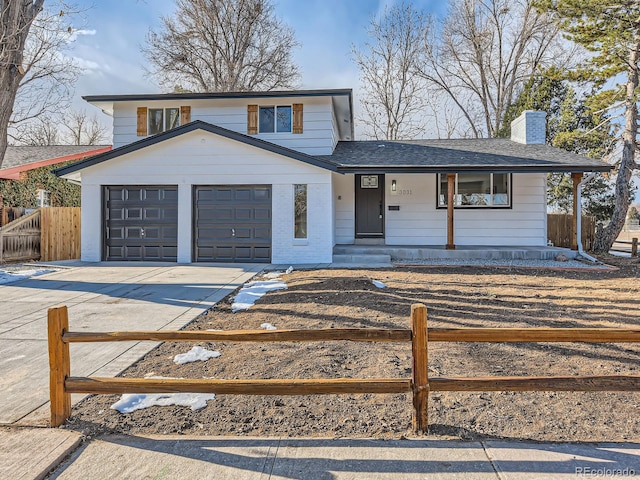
<point x="62" y="384"/>
<point x="621" y="246"/>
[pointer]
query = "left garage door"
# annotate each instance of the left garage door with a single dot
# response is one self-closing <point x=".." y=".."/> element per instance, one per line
<point x="141" y="223"/>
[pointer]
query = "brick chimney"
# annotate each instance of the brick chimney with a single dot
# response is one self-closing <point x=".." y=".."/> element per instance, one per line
<point x="530" y="128"/>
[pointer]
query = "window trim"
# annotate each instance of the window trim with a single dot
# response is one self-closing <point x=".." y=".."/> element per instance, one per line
<point x="275" y="121"/>
<point x="306" y="212"/>
<point x="476" y="207"/>
<point x="163" y="122"/>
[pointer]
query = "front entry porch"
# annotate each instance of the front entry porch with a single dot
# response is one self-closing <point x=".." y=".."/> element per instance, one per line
<point x="388" y="253"/>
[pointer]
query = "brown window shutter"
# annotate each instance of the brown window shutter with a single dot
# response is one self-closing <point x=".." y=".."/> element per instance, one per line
<point x="252" y="119"/>
<point x="297" y="118"/>
<point x="185" y="114"/>
<point x="142" y="121"/>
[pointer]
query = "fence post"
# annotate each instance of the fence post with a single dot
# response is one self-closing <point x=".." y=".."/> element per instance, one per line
<point x="59" y="365"/>
<point x="634" y="247"/>
<point x="420" y="384"/>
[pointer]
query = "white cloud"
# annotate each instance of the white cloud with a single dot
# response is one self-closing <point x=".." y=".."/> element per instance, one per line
<point x="86" y="65"/>
<point x="81" y="32"/>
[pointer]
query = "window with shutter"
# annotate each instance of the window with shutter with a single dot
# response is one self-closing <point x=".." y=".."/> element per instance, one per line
<point x="142" y="122"/>
<point x="297" y="117"/>
<point x="252" y="119"/>
<point x="185" y="114"/>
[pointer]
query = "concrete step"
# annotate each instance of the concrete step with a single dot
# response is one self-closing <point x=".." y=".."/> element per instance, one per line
<point x="464" y="253"/>
<point x="361" y="258"/>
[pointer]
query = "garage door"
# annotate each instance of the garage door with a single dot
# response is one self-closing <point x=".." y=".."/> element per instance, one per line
<point x="141" y="223"/>
<point x="232" y="223"/>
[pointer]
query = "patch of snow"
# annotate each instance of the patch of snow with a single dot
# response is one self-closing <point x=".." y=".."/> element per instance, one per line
<point x="130" y="402"/>
<point x="272" y="275"/>
<point x="252" y="291"/>
<point x="379" y="284"/>
<point x="268" y="326"/>
<point x="196" y="354"/>
<point x="289" y="270"/>
<point x="8" y="276"/>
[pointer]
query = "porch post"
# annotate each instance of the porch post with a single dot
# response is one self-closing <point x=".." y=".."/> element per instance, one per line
<point x="451" y="185"/>
<point x="577" y="178"/>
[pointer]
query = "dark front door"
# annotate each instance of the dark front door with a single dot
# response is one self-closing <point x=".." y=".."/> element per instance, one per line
<point x="141" y="223"/>
<point x="232" y="223"/>
<point x="369" y="206"/>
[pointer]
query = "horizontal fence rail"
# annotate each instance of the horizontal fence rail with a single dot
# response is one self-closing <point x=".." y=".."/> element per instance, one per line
<point x="633" y="249"/>
<point x="62" y="385"/>
<point x="238" y="387"/>
<point x="320" y="335"/>
<point x="605" y="383"/>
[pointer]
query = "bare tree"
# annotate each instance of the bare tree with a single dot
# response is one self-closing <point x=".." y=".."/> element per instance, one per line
<point x="78" y="128"/>
<point x="222" y="45"/>
<point x="393" y="94"/>
<point x="483" y="53"/>
<point x="444" y="118"/>
<point x="16" y="18"/>
<point x="42" y="131"/>
<point x="49" y="74"/>
<point x="84" y="130"/>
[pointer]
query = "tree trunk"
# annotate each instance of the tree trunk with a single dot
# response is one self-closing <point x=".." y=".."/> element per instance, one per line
<point x="607" y="235"/>
<point x="15" y="21"/>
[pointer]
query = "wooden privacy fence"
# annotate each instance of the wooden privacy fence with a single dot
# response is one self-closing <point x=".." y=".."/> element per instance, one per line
<point x="9" y="214"/>
<point x="560" y="230"/>
<point x="47" y="234"/>
<point x="60" y="234"/>
<point x="20" y="239"/>
<point x="62" y="385"/>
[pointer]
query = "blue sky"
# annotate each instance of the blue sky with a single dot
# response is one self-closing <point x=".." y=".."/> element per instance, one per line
<point x="114" y="30"/>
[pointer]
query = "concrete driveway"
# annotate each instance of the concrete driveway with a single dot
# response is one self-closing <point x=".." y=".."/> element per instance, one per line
<point x="100" y="297"/>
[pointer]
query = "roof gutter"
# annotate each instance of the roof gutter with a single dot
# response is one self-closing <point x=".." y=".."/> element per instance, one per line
<point x="381" y="169"/>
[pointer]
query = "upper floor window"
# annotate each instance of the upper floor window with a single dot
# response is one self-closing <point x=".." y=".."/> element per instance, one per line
<point x="151" y="121"/>
<point x="473" y="190"/>
<point x="163" y="119"/>
<point x="275" y="119"/>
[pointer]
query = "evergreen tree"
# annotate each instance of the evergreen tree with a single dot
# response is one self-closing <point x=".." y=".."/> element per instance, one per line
<point x="573" y="126"/>
<point x="611" y="32"/>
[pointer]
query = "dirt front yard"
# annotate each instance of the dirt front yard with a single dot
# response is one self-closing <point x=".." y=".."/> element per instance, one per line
<point x="455" y="297"/>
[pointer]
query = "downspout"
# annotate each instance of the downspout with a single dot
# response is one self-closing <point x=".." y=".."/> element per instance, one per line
<point x="579" y="219"/>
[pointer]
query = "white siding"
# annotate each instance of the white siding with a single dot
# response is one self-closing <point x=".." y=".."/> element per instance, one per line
<point x="202" y="158"/>
<point x="344" y="204"/>
<point x="318" y="120"/>
<point x="419" y="222"/>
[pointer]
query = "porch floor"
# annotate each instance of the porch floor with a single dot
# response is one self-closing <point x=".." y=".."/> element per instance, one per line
<point x="387" y="253"/>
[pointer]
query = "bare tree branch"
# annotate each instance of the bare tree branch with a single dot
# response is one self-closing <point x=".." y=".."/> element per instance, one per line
<point x="394" y="94"/>
<point x="16" y="18"/>
<point x="482" y="54"/>
<point x="77" y="129"/>
<point x="222" y="45"/>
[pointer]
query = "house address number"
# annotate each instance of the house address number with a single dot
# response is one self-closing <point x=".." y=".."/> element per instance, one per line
<point x="403" y="192"/>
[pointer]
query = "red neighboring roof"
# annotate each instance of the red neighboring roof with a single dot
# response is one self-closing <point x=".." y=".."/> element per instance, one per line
<point x="29" y="158"/>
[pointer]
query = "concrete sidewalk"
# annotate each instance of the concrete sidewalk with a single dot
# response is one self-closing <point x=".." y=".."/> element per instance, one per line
<point x="100" y="297"/>
<point x="123" y="457"/>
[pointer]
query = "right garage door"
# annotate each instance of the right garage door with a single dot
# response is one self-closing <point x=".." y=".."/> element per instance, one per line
<point x="232" y="223"/>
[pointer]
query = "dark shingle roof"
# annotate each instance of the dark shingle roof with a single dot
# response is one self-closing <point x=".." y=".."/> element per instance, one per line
<point x="494" y="154"/>
<point x="24" y="155"/>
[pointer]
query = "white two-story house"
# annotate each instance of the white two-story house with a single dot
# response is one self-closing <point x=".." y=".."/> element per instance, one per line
<point x="278" y="177"/>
